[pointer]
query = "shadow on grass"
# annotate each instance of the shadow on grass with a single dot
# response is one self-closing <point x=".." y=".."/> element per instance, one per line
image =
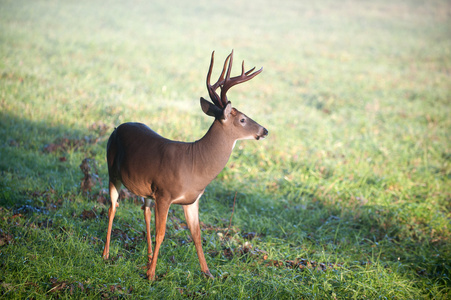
<point x="36" y="156"/>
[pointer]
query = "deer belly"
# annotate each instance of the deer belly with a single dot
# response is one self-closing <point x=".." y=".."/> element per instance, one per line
<point x="187" y="199"/>
<point x="139" y="188"/>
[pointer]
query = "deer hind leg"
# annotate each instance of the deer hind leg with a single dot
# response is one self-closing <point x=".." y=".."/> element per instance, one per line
<point x="147" y="217"/>
<point x="114" y="195"/>
<point x="161" y="214"/>
<point x="192" y="218"/>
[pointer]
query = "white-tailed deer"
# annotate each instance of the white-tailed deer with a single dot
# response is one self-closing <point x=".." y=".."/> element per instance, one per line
<point x="172" y="172"/>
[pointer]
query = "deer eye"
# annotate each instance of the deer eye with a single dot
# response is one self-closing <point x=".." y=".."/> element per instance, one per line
<point x="242" y="120"/>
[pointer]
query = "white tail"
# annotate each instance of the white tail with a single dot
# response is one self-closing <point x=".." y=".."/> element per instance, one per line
<point x="172" y="172"/>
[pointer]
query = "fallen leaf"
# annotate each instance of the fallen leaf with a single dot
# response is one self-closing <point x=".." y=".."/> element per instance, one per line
<point x="5" y="238"/>
<point x="88" y="214"/>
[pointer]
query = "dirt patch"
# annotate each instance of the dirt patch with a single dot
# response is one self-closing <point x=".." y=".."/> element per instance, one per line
<point x="91" y="178"/>
<point x="93" y="214"/>
<point x="5" y="238"/>
<point x="68" y="144"/>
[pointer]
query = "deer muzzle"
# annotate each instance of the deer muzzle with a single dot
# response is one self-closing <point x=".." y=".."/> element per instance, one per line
<point x="261" y="134"/>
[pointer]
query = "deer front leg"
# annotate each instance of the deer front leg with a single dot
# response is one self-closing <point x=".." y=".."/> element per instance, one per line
<point x="161" y="214"/>
<point x="192" y="218"/>
<point x="114" y="195"/>
<point x="147" y="217"/>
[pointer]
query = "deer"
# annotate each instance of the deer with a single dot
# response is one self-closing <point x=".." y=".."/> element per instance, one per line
<point x="173" y="172"/>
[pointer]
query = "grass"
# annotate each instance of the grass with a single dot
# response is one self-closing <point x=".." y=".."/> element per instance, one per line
<point x="348" y="197"/>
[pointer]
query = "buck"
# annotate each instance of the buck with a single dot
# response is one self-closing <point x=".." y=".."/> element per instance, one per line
<point x="172" y="172"/>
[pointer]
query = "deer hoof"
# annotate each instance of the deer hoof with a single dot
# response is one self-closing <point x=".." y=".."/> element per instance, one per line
<point x="208" y="274"/>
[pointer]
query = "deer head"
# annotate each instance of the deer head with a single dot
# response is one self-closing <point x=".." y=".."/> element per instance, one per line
<point x="240" y="125"/>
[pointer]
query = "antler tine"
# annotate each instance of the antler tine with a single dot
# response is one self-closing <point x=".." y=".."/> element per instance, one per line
<point x="229" y="82"/>
<point x="229" y="68"/>
<point x="211" y="88"/>
<point x="221" y="79"/>
<point x="247" y="73"/>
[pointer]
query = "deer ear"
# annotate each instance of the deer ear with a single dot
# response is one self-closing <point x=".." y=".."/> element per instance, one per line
<point x="209" y="108"/>
<point x="226" y="111"/>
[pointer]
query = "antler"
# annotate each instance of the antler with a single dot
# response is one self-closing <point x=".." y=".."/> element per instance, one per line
<point x="226" y="83"/>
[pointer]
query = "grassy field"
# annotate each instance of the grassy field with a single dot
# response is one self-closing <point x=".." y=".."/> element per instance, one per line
<point x="348" y="197"/>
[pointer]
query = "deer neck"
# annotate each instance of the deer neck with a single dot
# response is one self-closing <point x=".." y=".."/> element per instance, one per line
<point x="212" y="152"/>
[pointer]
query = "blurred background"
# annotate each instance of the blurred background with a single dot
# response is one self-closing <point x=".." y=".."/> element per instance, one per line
<point x="360" y="81"/>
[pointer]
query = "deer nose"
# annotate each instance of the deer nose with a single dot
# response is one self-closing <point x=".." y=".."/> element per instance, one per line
<point x="263" y="134"/>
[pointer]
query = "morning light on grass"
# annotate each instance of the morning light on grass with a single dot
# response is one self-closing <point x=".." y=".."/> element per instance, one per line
<point x="348" y="197"/>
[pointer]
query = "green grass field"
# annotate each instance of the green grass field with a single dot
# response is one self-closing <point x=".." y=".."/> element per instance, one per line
<point x="348" y="197"/>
